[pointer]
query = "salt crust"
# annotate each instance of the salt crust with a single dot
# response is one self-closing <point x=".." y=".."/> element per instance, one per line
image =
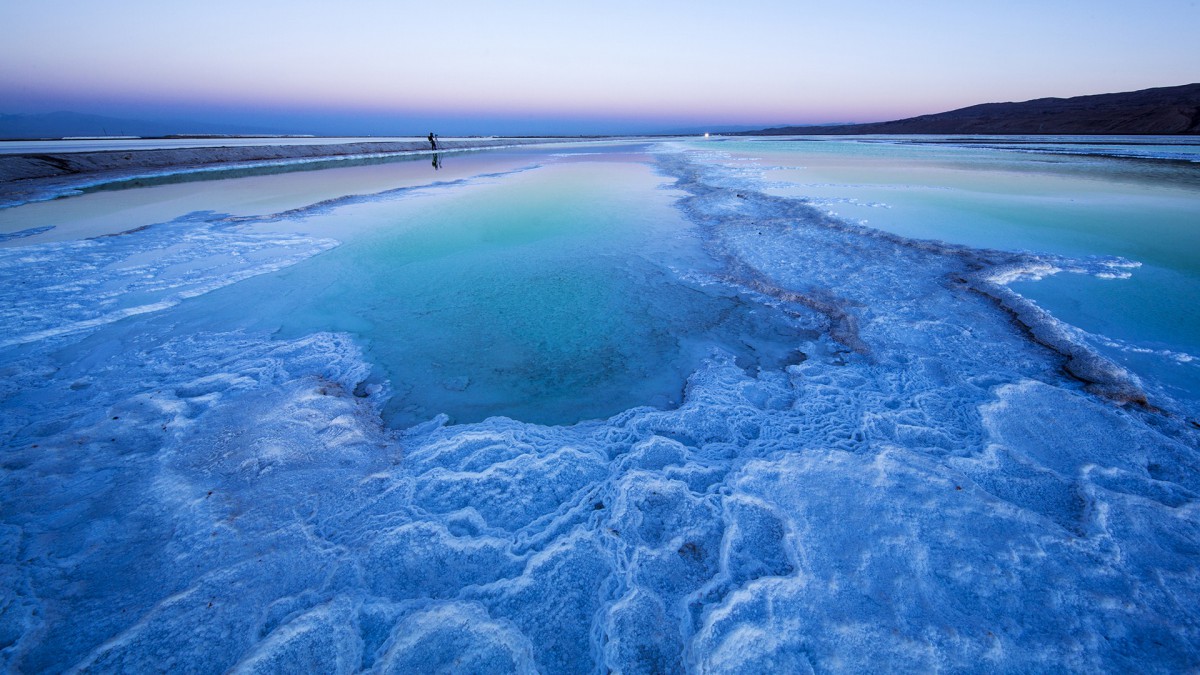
<point x="935" y="488"/>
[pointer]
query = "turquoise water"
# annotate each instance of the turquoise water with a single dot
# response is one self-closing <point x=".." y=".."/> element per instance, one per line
<point x="551" y="295"/>
<point x="559" y="286"/>
<point x="1009" y="198"/>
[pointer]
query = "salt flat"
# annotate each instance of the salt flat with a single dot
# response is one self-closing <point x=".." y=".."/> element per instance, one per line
<point x="236" y="439"/>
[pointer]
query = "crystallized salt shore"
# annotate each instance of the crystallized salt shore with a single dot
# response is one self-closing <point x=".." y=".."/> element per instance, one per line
<point x="942" y="477"/>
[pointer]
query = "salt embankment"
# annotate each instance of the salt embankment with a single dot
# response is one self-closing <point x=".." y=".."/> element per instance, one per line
<point x="34" y="176"/>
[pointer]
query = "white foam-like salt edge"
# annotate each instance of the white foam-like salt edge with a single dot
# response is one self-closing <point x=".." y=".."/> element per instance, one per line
<point x="944" y="500"/>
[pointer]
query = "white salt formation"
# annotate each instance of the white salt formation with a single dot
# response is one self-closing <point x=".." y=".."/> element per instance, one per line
<point x="882" y="459"/>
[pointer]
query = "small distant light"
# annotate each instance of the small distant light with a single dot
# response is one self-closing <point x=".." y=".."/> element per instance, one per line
<point x="706" y="134"/>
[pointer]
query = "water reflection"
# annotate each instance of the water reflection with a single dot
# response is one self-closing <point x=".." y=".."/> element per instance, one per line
<point x="268" y="170"/>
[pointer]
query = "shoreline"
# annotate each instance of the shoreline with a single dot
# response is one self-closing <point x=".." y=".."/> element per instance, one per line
<point x="31" y="177"/>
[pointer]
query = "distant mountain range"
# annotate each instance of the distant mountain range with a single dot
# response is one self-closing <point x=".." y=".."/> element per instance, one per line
<point x="1164" y="110"/>
<point x="65" y="124"/>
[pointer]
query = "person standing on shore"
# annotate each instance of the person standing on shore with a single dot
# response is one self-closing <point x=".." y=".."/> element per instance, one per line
<point x="432" y="142"/>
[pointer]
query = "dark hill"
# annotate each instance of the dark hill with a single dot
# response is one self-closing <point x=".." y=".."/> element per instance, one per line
<point x="1165" y="110"/>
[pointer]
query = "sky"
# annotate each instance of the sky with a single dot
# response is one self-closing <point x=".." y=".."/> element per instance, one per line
<point x="618" y="66"/>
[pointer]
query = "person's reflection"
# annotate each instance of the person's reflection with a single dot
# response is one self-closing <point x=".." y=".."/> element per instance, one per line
<point x="437" y="161"/>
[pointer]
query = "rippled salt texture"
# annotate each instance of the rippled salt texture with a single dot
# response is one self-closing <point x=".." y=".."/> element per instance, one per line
<point x="949" y="480"/>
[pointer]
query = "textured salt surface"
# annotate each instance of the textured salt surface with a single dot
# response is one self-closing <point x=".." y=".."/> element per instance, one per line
<point x="1148" y="321"/>
<point x="928" y="490"/>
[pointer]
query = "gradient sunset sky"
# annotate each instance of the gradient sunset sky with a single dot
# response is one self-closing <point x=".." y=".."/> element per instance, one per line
<point x="366" y="66"/>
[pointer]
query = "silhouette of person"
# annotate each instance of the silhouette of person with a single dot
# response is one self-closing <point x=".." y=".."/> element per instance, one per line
<point x="437" y="161"/>
<point x="432" y="142"/>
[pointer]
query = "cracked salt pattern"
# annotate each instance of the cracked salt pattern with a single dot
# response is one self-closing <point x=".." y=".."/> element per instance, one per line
<point x="929" y="489"/>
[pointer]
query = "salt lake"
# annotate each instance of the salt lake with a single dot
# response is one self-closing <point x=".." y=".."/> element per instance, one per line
<point x="727" y="405"/>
